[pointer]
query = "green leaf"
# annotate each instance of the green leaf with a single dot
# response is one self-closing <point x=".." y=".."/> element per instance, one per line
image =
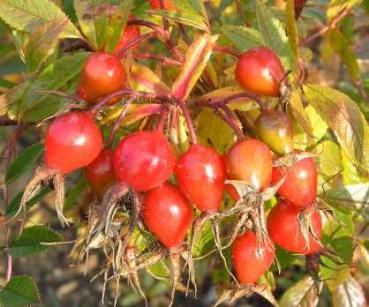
<point x="142" y="78"/>
<point x="335" y="7"/>
<point x="300" y="115"/>
<point x="42" y="43"/>
<point x="292" y="33"/>
<point x="213" y="131"/>
<point x="330" y="163"/>
<point x="117" y="22"/>
<point x="19" y="291"/>
<point x="190" y="12"/>
<point x="24" y="162"/>
<point x="35" y="103"/>
<point x="205" y="241"/>
<point x="303" y="293"/>
<point x="344" y="117"/>
<point x="196" y="58"/>
<point x="75" y="194"/>
<point x="343" y="48"/>
<point x="30" y="241"/>
<point x="355" y="196"/>
<point x="27" y="16"/>
<point x="14" y="205"/>
<point x="85" y="13"/>
<point x="349" y="294"/>
<point x="273" y="32"/>
<point x="243" y="38"/>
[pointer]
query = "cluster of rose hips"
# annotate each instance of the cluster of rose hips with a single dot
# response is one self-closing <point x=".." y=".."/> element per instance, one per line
<point x="146" y="161"/>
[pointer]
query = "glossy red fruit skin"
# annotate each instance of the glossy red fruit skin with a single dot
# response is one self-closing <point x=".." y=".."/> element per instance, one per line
<point x="100" y="173"/>
<point x="250" y="161"/>
<point x="72" y="141"/>
<point x="284" y="229"/>
<point x="251" y="260"/>
<point x="201" y="174"/>
<point x="130" y="33"/>
<point x="144" y="160"/>
<point x="300" y="185"/>
<point x="260" y="71"/>
<point x="167" y="214"/>
<point x="168" y="5"/>
<point x="232" y="192"/>
<point x="102" y="74"/>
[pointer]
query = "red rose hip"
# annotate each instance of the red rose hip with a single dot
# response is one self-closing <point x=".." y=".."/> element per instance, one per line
<point x="284" y="229"/>
<point x="300" y="185"/>
<point x="100" y="173"/>
<point x="251" y="259"/>
<point x="260" y="71"/>
<point x="167" y="5"/>
<point x="102" y="74"/>
<point x="72" y="141"/>
<point x="144" y="160"/>
<point x="167" y="214"/>
<point x="201" y="174"/>
<point x="250" y="161"/>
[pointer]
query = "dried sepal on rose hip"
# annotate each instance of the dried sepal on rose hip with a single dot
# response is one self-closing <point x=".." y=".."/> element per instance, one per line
<point x="72" y="141"/>
<point x="142" y="161"/>
<point x="168" y="216"/>
<point x="299" y="188"/>
<point x="260" y="71"/>
<point x="295" y="230"/>
<point x="251" y="258"/>
<point x="201" y="174"/>
<point x="102" y="74"/>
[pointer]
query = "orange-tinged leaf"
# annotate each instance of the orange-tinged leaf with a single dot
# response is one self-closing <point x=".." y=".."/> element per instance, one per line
<point x="135" y="112"/>
<point x="196" y="58"/>
<point x="241" y="104"/>
<point x="142" y="78"/>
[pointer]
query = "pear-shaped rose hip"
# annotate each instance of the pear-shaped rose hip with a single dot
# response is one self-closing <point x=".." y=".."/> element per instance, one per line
<point x="275" y="129"/>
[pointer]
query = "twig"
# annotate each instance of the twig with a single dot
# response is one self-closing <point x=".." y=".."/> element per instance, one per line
<point x="106" y="99"/>
<point x="326" y="28"/>
<point x="120" y="120"/>
<point x="163" y="59"/>
<point x="162" y="119"/>
<point x="186" y="114"/>
<point x="6" y="121"/>
<point x="8" y="153"/>
<point x="220" y="102"/>
<point x="241" y="13"/>
<point x="135" y="41"/>
<point x="231" y="122"/>
<point x="227" y="50"/>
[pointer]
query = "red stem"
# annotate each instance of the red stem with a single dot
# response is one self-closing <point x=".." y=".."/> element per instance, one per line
<point x="190" y="126"/>
<point x="106" y="99"/>
<point x="162" y="119"/>
<point x="227" y="50"/>
<point x="119" y="121"/>
<point x="231" y="121"/>
<point x="164" y="60"/>
<point x="221" y="102"/>
<point x="137" y="40"/>
<point x="326" y="28"/>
